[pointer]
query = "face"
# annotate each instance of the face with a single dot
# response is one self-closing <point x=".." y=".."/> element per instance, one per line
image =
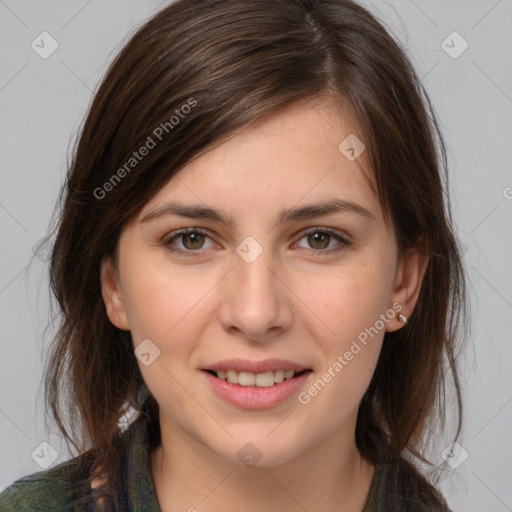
<point x="296" y="264"/>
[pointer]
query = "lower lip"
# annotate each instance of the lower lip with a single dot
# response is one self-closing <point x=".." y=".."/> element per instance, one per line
<point x="256" y="398"/>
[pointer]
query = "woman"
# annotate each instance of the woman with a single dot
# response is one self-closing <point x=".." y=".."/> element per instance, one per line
<point x="255" y="259"/>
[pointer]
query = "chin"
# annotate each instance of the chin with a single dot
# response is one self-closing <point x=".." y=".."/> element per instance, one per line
<point x="258" y="451"/>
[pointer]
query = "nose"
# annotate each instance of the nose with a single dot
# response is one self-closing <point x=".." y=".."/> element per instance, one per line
<point x="255" y="301"/>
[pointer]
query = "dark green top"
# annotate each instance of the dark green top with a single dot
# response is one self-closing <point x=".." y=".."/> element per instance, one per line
<point x="52" y="490"/>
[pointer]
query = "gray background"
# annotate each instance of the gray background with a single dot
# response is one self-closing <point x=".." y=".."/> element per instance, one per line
<point x="43" y="102"/>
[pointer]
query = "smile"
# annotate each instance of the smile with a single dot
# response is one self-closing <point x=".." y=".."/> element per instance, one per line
<point x="248" y="393"/>
<point x="250" y="379"/>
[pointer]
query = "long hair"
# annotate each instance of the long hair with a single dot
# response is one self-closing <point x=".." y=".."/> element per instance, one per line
<point x="193" y="75"/>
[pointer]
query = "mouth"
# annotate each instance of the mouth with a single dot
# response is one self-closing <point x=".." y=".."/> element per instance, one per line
<point x="256" y="385"/>
<point x="248" y="379"/>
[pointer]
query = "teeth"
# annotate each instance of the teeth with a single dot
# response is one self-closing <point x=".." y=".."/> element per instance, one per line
<point x="265" y="380"/>
<point x="278" y="376"/>
<point x="232" y="376"/>
<point x="250" y="379"/>
<point x="246" y="378"/>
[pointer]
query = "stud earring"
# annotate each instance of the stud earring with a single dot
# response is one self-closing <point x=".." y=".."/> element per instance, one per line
<point x="402" y="318"/>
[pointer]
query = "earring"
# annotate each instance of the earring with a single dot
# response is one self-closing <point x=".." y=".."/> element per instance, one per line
<point x="402" y="318"/>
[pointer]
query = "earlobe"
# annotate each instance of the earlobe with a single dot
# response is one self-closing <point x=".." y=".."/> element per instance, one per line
<point x="112" y="294"/>
<point x="407" y="286"/>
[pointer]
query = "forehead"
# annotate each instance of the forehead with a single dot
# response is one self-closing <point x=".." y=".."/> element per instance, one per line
<point x="295" y="155"/>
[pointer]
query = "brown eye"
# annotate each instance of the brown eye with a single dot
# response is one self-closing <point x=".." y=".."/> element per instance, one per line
<point x="188" y="242"/>
<point x="319" y="240"/>
<point x="192" y="240"/>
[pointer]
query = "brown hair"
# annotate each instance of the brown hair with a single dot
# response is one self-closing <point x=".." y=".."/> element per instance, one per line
<point x="235" y="61"/>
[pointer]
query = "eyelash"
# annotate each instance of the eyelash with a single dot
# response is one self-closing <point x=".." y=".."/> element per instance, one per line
<point x="344" y="243"/>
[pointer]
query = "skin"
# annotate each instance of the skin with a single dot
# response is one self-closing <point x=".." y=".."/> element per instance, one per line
<point x="286" y="304"/>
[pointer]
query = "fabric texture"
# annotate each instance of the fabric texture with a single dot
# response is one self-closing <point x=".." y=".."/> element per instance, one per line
<point x="52" y="489"/>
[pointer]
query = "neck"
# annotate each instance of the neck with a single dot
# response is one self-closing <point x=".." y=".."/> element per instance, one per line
<point x="189" y="476"/>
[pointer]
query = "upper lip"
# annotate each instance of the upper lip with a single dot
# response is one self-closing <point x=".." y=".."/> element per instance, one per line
<point x="256" y="366"/>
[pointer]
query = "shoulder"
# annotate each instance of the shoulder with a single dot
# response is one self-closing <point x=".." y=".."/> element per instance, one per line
<point x="408" y="490"/>
<point x="69" y="487"/>
<point x="49" y="490"/>
<point x="399" y="486"/>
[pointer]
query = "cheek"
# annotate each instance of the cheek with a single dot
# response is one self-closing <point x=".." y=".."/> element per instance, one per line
<point x="165" y="304"/>
<point x="346" y="302"/>
<point x="168" y="307"/>
<point x="349" y="305"/>
<point x="332" y="399"/>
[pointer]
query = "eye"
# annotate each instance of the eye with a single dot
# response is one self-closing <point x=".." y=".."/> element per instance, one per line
<point x="320" y="239"/>
<point x="192" y="241"/>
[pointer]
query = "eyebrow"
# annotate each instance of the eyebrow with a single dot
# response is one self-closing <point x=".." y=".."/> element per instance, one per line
<point x="308" y="211"/>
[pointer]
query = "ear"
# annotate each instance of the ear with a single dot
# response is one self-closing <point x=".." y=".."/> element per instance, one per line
<point x="407" y="285"/>
<point x="112" y="294"/>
